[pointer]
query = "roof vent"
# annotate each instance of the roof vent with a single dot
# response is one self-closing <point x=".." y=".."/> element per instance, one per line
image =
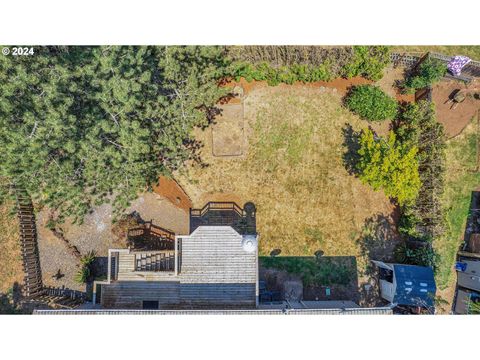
<point x="249" y="243"/>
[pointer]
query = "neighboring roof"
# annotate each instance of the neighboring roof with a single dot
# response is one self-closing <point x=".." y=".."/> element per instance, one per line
<point x="415" y="285"/>
<point x="355" y="311"/>
<point x="470" y="278"/>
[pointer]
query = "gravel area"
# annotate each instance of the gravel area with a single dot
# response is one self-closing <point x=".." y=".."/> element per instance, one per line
<point x="95" y="234"/>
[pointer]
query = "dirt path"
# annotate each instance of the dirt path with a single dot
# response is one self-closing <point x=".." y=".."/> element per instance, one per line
<point x="454" y="120"/>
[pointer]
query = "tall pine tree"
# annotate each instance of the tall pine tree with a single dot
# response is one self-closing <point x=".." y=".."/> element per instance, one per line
<point x="80" y="126"/>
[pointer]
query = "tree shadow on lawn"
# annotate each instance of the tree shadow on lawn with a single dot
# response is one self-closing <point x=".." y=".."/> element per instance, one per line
<point x="378" y="240"/>
<point x="351" y="142"/>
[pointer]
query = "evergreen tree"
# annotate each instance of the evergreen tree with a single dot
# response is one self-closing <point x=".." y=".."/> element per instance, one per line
<point x="80" y="126"/>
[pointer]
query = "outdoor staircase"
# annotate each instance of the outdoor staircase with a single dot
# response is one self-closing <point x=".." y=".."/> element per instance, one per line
<point x="159" y="261"/>
<point x="60" y="298"/>
<point x="33" y="290"/>
<point x="33" y="285"/>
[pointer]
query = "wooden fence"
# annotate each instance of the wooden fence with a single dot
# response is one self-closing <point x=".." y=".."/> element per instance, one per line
<point x="413" y="59"/>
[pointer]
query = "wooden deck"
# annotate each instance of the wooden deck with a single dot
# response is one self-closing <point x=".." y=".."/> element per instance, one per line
<point x="213" y="271"/>
<point x="225" y="214"/>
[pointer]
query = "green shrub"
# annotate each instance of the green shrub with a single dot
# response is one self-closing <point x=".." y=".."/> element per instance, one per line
<point x="371" y="103"/>
<point x="368" y="61"/>
<point x="282" y="74"/>
<point x="409" y="219"/>
<point x="428" y="72"/>
<point x="275" y="67"/>
<point x="82" y="275"/>
<point x="389" y="165"/>
<point x="421" y="256"/>
<point x="85" y="272"/>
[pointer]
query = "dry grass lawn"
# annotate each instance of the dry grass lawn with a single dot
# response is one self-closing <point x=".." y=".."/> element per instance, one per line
<point x="293" y="171"/>
<point x="10" y="255"/>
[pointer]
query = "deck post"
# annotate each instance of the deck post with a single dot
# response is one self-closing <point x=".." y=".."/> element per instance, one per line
<point x="176" y="256"/>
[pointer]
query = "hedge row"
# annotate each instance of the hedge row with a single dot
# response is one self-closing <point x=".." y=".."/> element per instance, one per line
<point x="366" y="61"/>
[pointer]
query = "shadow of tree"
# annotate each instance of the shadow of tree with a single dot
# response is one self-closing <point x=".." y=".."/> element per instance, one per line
<point x="351" y="142"/>
<point x="377" y="241"/>
<point x="11" y="301"/>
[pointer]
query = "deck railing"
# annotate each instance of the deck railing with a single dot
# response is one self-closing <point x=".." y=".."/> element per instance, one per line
<point x="217" y="205"/>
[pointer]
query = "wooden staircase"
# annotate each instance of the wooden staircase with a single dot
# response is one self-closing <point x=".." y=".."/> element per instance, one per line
<point x="33" y="289"/>
<point x="58" y="298"/>
<point x="156" y="261"/>
<point x="33" y="285"/>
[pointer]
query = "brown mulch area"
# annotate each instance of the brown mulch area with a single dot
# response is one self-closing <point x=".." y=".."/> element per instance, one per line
<point x="340" y="84"/>
<point x="454" y="120"/>
<point x="173" y="192"/>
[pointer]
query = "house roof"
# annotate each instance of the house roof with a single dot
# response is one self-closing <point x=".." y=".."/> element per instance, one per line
<point x="415" y="285"/>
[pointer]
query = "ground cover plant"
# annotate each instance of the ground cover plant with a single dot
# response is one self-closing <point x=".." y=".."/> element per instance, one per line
<point x="371" y="103"/>
<point x="294" y="172"/>
<point x="315" y="271"/>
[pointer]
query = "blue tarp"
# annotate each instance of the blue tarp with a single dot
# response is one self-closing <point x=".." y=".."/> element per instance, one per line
<point x="415" y="285"/>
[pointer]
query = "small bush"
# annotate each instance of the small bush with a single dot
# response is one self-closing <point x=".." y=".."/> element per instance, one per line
<point x="82" y="275"/>
<point x="371" y="103"/>
<point x="85" y="272"/>
<point x="421" y="256"/>
<point x="428" y="72"/>
<point x="368" y="61"/>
